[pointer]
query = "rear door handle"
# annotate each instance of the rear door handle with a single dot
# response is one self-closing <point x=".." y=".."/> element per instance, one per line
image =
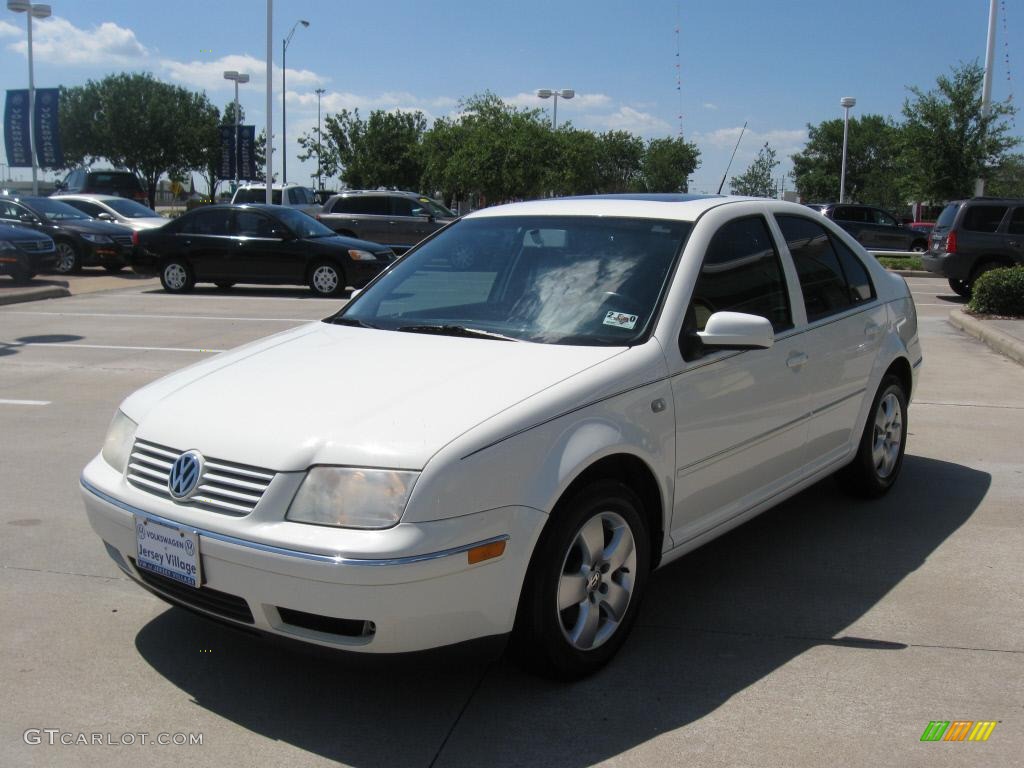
<point x="796" y="360"/>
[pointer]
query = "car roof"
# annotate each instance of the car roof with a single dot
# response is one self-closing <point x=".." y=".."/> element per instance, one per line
<point x="88" y="196"/>
<point x="643" y="205"/>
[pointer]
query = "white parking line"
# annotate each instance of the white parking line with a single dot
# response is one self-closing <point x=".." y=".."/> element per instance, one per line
<point x="24" y="402"/>
<point x="168" y="317"/>
<point x="108" y="346"/>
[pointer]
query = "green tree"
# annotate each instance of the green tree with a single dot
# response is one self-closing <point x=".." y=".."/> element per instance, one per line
<point x="382" y="151"/>
<point x="668" y="163"/>
<point x="874" y="174"/>
<point x="139" y="123"/>
<point x="573" y="169"/>
<point x="620" y="162"/>
<point x="947" y="141"/>
<point x="759" y="178"/>
<point x="1007" y="179"/>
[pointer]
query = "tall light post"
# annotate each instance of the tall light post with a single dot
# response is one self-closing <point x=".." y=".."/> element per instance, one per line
<point x="319" y="178"/>
<point x="986" y="83"/>
<point x="547" y="93"/>
<point x="846" y="103"/>
<point x="284" y="96"/>
<point x="238" y="77"/>
<point x="38" y="11"/>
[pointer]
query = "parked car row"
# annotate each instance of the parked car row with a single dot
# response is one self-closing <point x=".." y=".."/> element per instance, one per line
<point x="874" y="228"/>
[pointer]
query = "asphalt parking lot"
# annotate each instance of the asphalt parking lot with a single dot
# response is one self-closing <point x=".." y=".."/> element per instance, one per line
<point x="825" y="632"/>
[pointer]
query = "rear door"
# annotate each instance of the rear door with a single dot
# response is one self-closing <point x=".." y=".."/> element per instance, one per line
<point x="844" y="331"/>
<point x="886" y="232"/>
<point x="205" y="241"/>
<point x="410" y="222"/>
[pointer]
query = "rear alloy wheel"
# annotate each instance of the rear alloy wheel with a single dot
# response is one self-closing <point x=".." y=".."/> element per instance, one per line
<point x="960" y="287"/>
<point x="68" y="260"/>
<point x="176" y="276"/>
<point x="880" y="455"/>
<point x="326" y="279"/>
<point x="586" y="579"/>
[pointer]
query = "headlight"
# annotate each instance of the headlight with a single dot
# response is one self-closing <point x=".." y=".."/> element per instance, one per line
<point x="357" y="255"/>
<point x="352" y="498"/>
<point x="96" y="238"/>
<point x="118" y="445"/>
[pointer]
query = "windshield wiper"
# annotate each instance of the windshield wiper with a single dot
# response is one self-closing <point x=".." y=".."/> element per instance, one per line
<point x="455" y="330"/>
<point x="355" y="323"/>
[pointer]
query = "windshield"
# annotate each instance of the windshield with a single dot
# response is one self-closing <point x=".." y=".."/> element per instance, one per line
<point x="130" y="209"/>
<point x="53" y="210"/>
<point x="550" y="279"/>
<point x="303" y="225"/>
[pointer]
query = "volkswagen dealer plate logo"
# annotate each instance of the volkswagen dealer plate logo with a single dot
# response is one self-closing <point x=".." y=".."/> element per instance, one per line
<point x="184" y="475"/>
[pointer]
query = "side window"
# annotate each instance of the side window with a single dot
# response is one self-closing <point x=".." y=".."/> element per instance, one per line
<point x="89" y="209"/>
<point x="401" y="206"/>
<point x="207" y="223"/>
<point x="983" y="218"/>
<point x="254" y="224"/>
<point x="847" y="213"/>
<point x="1017" y="222"/>
<point x="741" y="273"/>
<point x="832" y="277"/>
<point x="361" y="206"/>
<point x="9" y="210"/>
<point x="883" y="218"/>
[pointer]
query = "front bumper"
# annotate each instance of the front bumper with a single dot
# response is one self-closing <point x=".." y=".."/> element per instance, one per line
<point x="425" y="597"/>
<point x="104" y="254"/>
<point x="13" y="262"/>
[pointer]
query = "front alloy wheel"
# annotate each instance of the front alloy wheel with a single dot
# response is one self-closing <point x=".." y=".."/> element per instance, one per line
<point x="583" y="588"/>
<point x="67" y="258"/>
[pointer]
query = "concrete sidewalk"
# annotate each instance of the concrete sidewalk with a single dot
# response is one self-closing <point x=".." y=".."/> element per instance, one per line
<point x="88" y="281"/>
<point x="1003" y="335"/>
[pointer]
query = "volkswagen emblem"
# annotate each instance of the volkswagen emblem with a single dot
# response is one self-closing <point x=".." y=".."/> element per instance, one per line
<point x="184" y="476"/>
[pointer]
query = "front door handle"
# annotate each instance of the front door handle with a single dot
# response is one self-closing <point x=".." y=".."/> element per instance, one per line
<point x="796" y="360"/>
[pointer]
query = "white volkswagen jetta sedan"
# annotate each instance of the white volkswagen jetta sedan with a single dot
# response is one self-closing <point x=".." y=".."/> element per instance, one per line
<point x="559" y="397"/>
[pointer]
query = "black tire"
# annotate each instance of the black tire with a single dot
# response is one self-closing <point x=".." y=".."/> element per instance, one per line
<point x="919" y="246"/>
<point x="561" y="642"/>
<point x="113" y="268"/>
<point x="960" y="287"/>
<point x="22" y="276"/>
<point x="875" y="468"/>
<point x="225" y="285"/>
<point x="176" y="276"/>
<point x="326" y="279"/>
<point x="69" y="260"/>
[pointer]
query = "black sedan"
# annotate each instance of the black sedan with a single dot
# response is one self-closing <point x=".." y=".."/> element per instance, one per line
<point x="80" y="240"/>
<point x="268" y="244"/>
<point x="24" y="253"/>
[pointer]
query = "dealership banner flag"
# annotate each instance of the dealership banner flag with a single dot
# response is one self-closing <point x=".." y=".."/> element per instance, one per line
<point x="247" y="152"/>
<point x="16" y="139"/>
<point x="226" y="167"/>
<point x="47" y="127"/>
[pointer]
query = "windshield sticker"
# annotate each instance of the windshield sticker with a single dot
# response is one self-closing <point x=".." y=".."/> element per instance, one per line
<point x="620" y="320"/>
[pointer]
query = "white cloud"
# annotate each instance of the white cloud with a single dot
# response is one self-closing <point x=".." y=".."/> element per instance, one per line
<point x="209" y="75"/>
<point x="784" y="142"/>
<point x="709" y="106"/>
<point x="9" y="30"/>
<point x="57" y="39"/>
<point x="628" y="119"/>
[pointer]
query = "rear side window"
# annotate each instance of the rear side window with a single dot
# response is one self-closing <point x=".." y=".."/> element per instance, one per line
<point x="207" y="223"/>
<point x="983" y="218"/>
<point x="742" y="273"/>
<point x="403" y="206"/>
<point x="1017" y="222"/>
<point x="832" y="277"/>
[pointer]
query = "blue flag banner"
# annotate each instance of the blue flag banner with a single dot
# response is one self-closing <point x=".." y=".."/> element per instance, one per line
<point x="247" y="152"/>
<point x="226" y="166"/>
<point x="47" y="127"/>
<point x="16" y="138"/>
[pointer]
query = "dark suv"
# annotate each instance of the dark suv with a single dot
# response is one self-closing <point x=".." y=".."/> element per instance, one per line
<point x="396" y="219"/>
<point x="875" y="229"/>
<point x="973" y="236"/>
<point x="121" y="183"/>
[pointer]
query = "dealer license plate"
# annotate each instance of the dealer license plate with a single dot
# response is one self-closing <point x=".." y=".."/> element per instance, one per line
<point x="168" y="550"/>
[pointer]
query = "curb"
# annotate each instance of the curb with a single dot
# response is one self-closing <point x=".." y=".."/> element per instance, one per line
<point x="1001" y="342"/>
<point x="913" y="273"/>
<point x="34" y="294"/>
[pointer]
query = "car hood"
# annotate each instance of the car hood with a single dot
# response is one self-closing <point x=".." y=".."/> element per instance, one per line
<point x="14" y="232"/>
<point x="328" y="394"/>
<point x="92" y="226"/>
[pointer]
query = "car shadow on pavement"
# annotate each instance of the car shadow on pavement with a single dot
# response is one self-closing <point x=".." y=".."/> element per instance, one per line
<point x="11" y="347"/>
<point x="713" y="623"/>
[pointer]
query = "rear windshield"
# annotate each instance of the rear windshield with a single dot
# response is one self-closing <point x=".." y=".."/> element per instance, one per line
<point x="131" y="209"/>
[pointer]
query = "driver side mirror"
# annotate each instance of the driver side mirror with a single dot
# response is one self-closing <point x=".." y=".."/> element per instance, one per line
<point x="737" y="330"/>
<point x="105" y="217"/>
<point x="28" y="218"/>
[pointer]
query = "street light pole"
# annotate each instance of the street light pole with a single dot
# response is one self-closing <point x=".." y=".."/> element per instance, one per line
<point x="39" y="11"/>
<point x="846" y="103"/>
<point x="238" y="77"/>
<point x="284" y="97"/>
<point x="986" y="84"/>
<point x="319" y="168"/>
<point x="547" y="93"/>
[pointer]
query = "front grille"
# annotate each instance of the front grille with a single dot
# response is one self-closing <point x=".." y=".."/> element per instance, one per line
<point x="224" y="487"/>
<point x="35" y="246"/>
<point x="125" y="241"/>
<point x="204" y="598"/>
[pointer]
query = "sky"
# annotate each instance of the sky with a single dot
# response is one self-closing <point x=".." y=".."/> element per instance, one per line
<point x="776" y="64"/>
